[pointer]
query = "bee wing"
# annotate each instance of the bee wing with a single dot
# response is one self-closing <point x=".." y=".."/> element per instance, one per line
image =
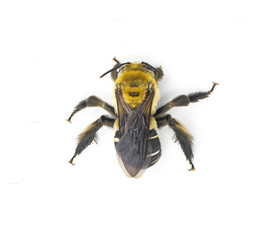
<point x="133" y="134"/>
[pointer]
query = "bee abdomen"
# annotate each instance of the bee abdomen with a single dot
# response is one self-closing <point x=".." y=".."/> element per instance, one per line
<point x="154" y="149"/>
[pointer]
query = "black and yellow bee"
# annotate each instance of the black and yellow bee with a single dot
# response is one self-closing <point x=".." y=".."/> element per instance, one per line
<point x="135" y="117"/>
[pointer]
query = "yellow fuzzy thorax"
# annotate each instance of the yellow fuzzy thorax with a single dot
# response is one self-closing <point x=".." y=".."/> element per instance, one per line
<point x="135" y="80"/>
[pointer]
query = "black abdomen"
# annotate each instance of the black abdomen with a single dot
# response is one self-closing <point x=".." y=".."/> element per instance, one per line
<point x="154" y="149"/>
<point x="128" y="149"/>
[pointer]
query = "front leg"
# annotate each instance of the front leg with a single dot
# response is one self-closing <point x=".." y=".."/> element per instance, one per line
<point x="92" y="101"/>
<point x="183" y="100"/>
<point x="182" y="135"/>
<point x="89" y="134"/>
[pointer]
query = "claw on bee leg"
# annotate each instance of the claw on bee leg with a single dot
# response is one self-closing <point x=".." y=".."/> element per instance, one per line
<point x="71" y="161"/>
<point x="192" y="167"/>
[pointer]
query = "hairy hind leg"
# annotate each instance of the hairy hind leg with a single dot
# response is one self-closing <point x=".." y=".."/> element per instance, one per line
<point x="182" y="135"/>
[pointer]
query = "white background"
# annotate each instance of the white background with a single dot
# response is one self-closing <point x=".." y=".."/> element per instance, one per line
<point x="51" y="56"/>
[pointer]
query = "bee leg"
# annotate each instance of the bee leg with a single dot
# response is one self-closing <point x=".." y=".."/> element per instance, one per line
<point x="184" y="100"/>
<point x="89" y="134"/>
<point x="195" y="97"/>
<point x="182" y="135"/>
<point x="92" y="101"/>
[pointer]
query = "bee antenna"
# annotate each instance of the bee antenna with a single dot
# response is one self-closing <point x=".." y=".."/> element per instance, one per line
<point x="114" y="68"/>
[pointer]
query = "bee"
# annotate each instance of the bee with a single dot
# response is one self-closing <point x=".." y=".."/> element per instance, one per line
<point x="136" y="118"/>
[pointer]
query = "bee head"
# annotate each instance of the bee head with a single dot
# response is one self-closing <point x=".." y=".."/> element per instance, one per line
<point x="120" y="68"/>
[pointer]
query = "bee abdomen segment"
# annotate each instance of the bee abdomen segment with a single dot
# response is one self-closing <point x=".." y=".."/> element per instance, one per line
<point x="154" y="148"/>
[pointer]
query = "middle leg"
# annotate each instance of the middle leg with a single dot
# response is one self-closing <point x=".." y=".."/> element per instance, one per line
<point x="90" y="134"/>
